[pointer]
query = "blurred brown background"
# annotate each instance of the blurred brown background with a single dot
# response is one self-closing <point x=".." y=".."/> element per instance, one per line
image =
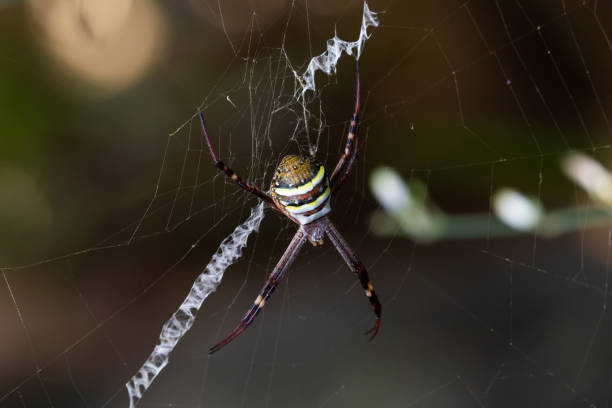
<point x="467" y="96"/>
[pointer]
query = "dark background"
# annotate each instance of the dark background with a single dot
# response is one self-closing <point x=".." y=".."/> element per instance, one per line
<point x="468" y="97"/>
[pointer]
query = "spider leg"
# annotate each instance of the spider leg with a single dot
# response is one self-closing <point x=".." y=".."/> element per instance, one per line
<point x="253" y="189"/>
<point x="359" y="270"/>
<point x="275" y="277"/>
<point x="343" y="168"/>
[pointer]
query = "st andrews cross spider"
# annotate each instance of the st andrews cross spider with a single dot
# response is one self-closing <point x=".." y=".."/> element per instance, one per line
<point x="302" y="190"/>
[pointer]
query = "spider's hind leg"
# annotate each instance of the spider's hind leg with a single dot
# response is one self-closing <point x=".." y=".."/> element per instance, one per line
<point x="275" y="277"/>
<point x="359" y="270"/>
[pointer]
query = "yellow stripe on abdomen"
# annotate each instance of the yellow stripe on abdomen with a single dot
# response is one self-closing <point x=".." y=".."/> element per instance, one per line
<point x="304" y="188"/>
<point x="298" y="209"/>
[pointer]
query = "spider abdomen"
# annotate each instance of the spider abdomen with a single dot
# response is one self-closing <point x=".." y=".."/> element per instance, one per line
<point x="301" y="186"/>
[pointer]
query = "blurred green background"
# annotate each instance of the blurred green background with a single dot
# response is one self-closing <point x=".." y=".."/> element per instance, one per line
<point x="96" y="101"/>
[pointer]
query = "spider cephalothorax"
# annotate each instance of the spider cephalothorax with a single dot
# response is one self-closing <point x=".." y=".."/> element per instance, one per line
<point x="302" y="190"/>
<point x="300" y="187"/>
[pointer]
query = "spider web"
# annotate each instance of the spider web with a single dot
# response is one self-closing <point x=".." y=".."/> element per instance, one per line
<point x="464" y="97"/>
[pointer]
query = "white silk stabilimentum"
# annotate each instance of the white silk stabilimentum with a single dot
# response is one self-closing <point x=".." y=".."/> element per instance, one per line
<point x="328" y="60"/>
<point x="231" y="247"/>
<point x="182" y="320"/>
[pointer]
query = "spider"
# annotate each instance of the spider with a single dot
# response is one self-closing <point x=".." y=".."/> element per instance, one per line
<point x="301" y="190"/>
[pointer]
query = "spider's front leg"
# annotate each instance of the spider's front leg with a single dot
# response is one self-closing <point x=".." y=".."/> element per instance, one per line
<point x="344" y="167"/>
<point x="359" y="270"/>
<point x="275" y="277"/>
<point x="251" y="188"/>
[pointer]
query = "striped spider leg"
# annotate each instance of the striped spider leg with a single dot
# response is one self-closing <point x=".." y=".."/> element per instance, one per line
<point x="359" y="270"/>
<point x="302" y="190"/>
<point x="275" y="277"/>
<point x="251" y="188"/>
<point x="343" y="168"/>
<point x="313" y="232"/>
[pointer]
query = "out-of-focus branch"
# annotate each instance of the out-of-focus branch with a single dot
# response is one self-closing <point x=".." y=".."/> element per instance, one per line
<point x="407" y="211"/>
